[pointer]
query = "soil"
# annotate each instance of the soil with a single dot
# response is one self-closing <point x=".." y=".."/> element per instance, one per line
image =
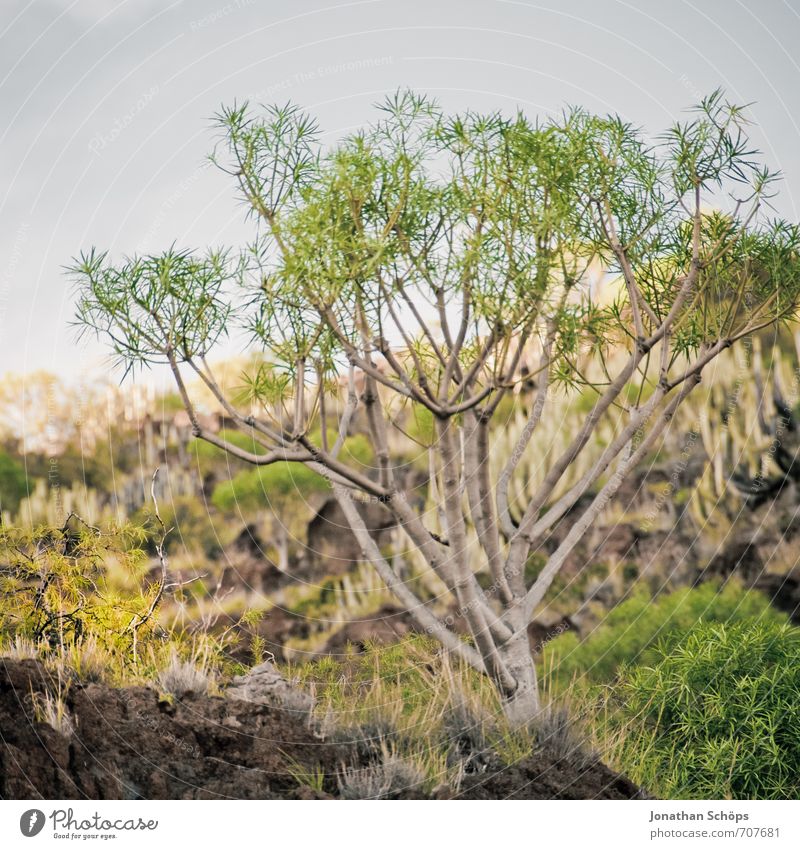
<point x="129" y="744"/>
<point x="543" y="777"/>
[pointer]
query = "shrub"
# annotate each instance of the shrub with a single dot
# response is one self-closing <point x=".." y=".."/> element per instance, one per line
<point x="717" y="715"/>
<point x="55" y="590"/>
<point x="633" y="629"/>
<point x="264" y="486"/>
<point x="208" y="456"/>
<point x="558" y="736"/>
<point x="77" y="599"/>
<point x="389" y="778"/>
<point x="13" y="483"/>
<point x="278" y="484"/>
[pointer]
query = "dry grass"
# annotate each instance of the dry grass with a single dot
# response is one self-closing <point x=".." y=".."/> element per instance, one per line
<point x="20" y="648"/>
<point x="388" y="778"/>
<point x="51" y="708"/>
<point x="180" y="678"/>
<point x="411" y="702"/>
<point x="86" y="661"/>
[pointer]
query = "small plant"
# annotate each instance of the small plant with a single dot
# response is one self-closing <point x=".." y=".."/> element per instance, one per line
<point x="558" y="734"/>
<point x="19" y="648"/>
<point x="465" y="732"/>
<point x="51" y="708"/>
<point x="180" y="678"/>
<point x="389" y="778"/>
<point x="311" y="777"/>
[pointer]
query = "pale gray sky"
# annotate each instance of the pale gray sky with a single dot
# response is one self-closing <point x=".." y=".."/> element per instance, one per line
<point x="105" y="106"/>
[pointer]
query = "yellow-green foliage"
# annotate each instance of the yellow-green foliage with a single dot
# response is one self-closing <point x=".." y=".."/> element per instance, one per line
<point x="207" y="455"/>
<point x="54" y="589"/>
<point x="81" y="601"/>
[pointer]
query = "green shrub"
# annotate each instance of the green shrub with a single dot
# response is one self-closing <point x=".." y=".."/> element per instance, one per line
<point x="280" y="483"/>
<point x="632" y="630"/>
<point x="717" y="715"/>
<point x="80" y="601"/>
<point x="262" y="487"/>
<point x="13" y="483"/>
<point x="54" y="593"/>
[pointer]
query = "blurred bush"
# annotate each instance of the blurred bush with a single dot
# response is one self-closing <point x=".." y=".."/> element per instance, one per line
<point x="13" y="483"/>
<point x="273" y="486"/>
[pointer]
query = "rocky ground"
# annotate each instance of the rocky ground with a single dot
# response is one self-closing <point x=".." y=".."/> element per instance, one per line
<point x="128" y="744"/>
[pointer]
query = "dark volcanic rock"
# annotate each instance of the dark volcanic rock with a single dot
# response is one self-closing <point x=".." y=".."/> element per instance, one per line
<point x="543" y="776"/>
<point x="331" y="544"/>
<point x="783" y="591"/>
<point x="127" y="744"/>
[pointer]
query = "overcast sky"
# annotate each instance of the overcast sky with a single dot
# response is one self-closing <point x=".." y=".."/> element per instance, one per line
<point x="106" y="106"/>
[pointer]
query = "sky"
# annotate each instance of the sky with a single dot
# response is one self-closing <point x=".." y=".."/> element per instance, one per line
<point x="107" y="107"/>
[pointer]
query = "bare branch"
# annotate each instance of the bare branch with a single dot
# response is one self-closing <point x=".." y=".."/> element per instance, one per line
<point x="556" y="560"/>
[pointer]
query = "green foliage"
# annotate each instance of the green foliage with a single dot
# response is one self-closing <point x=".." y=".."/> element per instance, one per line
<point x="55" y="592"/>
<point x="421" y="427"/>
<point x="13" y="482"/>
<point x="174" y="298"/>
<point x="79" y="599"/>
<point x="209" y="458"/>
<point x="205" y="451"/>
<point x="716" y="715"/>
<point x="638" y="629"/>
<point x="503" y="223"/>
<point x="265" y="486"/>
<point x="401" y="671"/>
<point x="422" y="204"/>
<point x="96" y="469"/>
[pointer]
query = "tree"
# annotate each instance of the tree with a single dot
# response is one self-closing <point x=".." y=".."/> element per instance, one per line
<point x="424" y="260"/>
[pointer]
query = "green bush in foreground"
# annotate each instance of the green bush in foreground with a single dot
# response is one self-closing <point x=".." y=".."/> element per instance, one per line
<point x="716" y="716"/>
<point x="88" y="603"/>
<point x="636" y="630"/>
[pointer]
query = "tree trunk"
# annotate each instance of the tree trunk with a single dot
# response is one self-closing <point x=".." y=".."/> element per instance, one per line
<point x="522" y="706"/>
